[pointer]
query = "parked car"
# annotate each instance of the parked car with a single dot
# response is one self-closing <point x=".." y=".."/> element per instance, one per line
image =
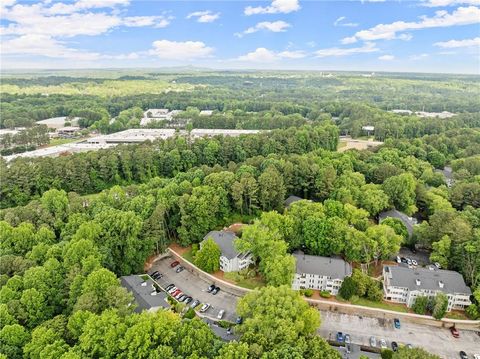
<point x="454" y="332"/>
<point x="216" y="290"/>
<point x="348" y="349"/>
<point x="174" y="264"/>
<point x="153" y="273"/>
<point x="463" y="355"/>
<point x="157" y="276"/>
<point x="210" y="288"/>
<point x="340" y="337"/>
<point x="414" y="262"/>
<point x="171" y="290"/>
<point x="182" y="298"/>
<point x="409" y="261"/>
<point x="239" y="320"/>
<point x="399" y="260"/>
<point x="179" y="294"/>
<point x="396" y="323"/>
<point x="373" y="342"/>
<point x="347" y="339"/>
<point x="403" y="260"/>
<point x="409" y="346"/>
<point x="179" y="269"/>
<point x="204" y="308"/>
<point x="170" y="286"/>
<point x="383" y="343"/>
<point x="175" y="293"/>
<point x="436" y="264"/>
<point x="188" y="300"/>
<point x="220" y="314"/>
<point x="476" y="356"/>
<point x="195" y="303"/>
<point x="394" y="346"/>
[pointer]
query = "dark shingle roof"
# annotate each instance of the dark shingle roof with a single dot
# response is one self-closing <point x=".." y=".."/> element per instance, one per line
<point x="291" y="199"/>
<point x="142" y="294"/>
<point x="403" y="277"/>
<point x="332" y="267"/>
<point x="409" y="222"/>
<point x="225" y="240"/>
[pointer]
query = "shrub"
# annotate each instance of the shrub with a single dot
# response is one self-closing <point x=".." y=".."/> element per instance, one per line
<point x="308" y="292"/>
<point x="189" y="314"/>
<point x="374" y="292"/>
<point x="440" y="307"/>
<point x="386" y="354"/>
<point x="420" y="305"/>
<point x="348" y="288"/>
<point x="325" y="294"/>
<point x="194" y="249"/>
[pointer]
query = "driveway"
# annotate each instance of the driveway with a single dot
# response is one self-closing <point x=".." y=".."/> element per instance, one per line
<point x="435" y="340"/>
<point x="189" y="283"/>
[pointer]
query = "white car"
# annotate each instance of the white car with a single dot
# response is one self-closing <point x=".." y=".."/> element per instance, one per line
<point x="383" y="344"/>
<point x="399" y="260"/>
<point x="172" y="290"/>
<point x="204" y="308"/>
<point x="436" y="264"/>
<point x="373" y="342"/>
<point x="220" y="314"/>
<point x="414" y="262"/>
<point x="476" y="356"/>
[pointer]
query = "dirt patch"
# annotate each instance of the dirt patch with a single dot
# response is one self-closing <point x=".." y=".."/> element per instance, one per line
<point x="357" y="144"/>
<point x="235" y="228"/>
<point x="179" y="249"/>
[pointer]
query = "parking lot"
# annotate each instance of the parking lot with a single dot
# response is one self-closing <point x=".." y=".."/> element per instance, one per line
<point x="435" y="340"/>
<point x="196" y="287"/>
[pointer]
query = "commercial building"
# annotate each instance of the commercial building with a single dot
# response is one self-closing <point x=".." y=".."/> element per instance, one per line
<point x="206" y="113"/>
<point x="404" y="285"/>
<point x="320" y="273"/>
<point x="68" y="131"/>
<point x="409" y="222"/>
<point x="147" y="297"/>
<point x="134" y="135"/>
<point x="231" y="260"/>
<point x="200" y="132"/>
<point x="443" y="114"/>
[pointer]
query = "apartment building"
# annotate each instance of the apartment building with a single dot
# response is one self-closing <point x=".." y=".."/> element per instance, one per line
<point x="404" y="285"/>
<point x="231" y="260"/>
<point x="320" y="273"/>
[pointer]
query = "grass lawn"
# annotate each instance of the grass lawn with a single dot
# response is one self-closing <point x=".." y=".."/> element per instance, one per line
<point x="188" y="255"/>
<point x="381" y="305"/>
<point x="250" y="283"/>
<point x="456" y="315"/>
<point x="61" y="141"/>
<point x="342" y="144"/>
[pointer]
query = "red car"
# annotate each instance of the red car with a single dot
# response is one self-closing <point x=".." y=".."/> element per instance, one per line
<point x="454" y="332"/>
<point x="174" y="264"/>
<point x="174" y="294"/>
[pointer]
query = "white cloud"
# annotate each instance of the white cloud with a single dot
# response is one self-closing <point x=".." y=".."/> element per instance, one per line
<point x="460" y="16"/>
<point x="439" y="3"/>
<point x="386" y="57"/>
<point x="262" y="54"/>
<point x="419" y="57"/>
<point x="340" y="22"/>
<point x="336" y="51"/>
<point x="141" y="21"/>
<point x="187" y="50"/>
<point x="452" y="44"/>
<point x="275" y="26"/>
<point x="204" y="16"/>
<point x="277" y="7"/>
<point x="311" y="44"/>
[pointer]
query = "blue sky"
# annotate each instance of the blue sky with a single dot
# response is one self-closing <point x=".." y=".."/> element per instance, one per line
<point x="369" y="35"/>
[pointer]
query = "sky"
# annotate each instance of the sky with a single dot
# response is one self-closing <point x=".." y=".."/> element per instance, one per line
<point x="364" y="35"/>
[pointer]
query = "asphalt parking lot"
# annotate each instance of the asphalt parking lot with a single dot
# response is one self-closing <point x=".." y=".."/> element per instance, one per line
<point x="435" y="340"/>
<point x="192" y="285"/>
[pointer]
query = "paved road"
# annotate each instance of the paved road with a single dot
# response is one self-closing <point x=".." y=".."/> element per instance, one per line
<point x="435" y="340"/>
<point x="196" y="287"/>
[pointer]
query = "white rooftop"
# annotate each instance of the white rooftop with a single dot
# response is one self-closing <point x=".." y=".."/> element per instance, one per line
<point x="136" y="135"/>
<point x="443" y="114"/>
<point x="57" y="122"/>
<point x="200" y="132"/>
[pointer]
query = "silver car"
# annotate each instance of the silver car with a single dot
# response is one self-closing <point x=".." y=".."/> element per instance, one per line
<point x="220" y="314"/>
<point x="383" y="343"/>
<point x="373" y="342"/>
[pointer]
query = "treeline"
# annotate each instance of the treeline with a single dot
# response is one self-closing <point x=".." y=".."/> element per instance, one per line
<point x="352" y="117"/>
<point x="25" y="139"/>
<point x="91" y="172"/>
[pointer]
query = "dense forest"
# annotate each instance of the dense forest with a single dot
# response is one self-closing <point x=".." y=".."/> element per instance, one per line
<point x="71" y="225"/>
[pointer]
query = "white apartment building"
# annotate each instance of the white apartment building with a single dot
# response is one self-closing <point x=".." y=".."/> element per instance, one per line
<point x="231" y="260"/>
<point x="404" y="285"/>
<point x="320" y="273"/>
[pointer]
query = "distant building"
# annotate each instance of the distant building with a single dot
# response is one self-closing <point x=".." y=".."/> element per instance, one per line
<point x="58" y="122"/>
<point x="320" y="273"/>
<point x="368" y="129"/>
<point x="447" y="172"/>
<point x="206" y="113"/>
<point x="402" y="112"/>
<point x="291" y="199"/>
<point x="409" y="222"/>
<point x="146" y="296"/>
<point x="160" y="113"/>
<point x="443" y="114"/>
<point x="68" y="131"/>
<point x="404" y="285"/>
<point x="199" y="132"/>
<point x="133" y="136"/>
<point x="231" y="260"/>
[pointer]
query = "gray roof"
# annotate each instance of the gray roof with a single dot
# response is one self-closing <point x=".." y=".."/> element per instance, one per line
<point x="291" y="199"/>
<point x="325" y="266"/>
<point x="225" y="241"/>
<point x="429" y="279"/>
<point x="409" y="222"/>
<point x="142" y="294"/>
